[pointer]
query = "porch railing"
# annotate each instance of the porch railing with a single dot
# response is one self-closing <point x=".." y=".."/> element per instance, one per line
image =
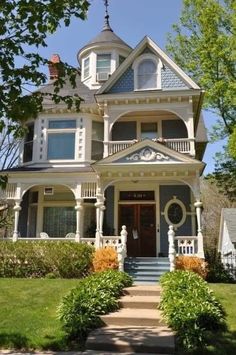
<point x="181" y="245"/>
<point x="181" y="145"/>
<point x="229" y="262"/>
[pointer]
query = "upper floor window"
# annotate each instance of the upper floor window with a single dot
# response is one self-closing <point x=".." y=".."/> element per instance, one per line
<point x="86" y="68"/>
<point x="103" y="66"/>
<point x="28" y="144"/>
<point x="147" y="72"/>
<point x="121" y="59"/>
<point x="97" y="140"/>
<point x="61" y="139"/>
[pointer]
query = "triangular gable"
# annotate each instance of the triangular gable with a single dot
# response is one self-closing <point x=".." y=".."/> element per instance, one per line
<point x="148" y="152"/>
<point x="172" y="75"/>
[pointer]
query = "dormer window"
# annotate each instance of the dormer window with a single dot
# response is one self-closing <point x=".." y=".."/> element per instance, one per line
<point x="147" y="72"/>
<point x="86" y="68"/>
<point x="103" y="66"/>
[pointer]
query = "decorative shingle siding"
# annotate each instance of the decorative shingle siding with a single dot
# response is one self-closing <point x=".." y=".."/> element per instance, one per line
<point x="125" y="83"/>
<point x="170" y="80"/>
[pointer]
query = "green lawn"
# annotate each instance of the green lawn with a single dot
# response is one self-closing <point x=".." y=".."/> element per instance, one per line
<point x="223" y="343"/>
<point x="28" y="313"/>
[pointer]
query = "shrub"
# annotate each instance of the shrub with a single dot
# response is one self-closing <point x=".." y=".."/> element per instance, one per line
<point x="43" y="258"/>
<point x="190" y="308"/>
<point x="216" y="270"/>
<point x="192" y="263"/>
<point x="96" y="294"/>
<point x="105" y="259"/>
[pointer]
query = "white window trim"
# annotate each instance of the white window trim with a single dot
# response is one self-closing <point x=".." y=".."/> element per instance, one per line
<point x="180" y="203"/>
<point x="61" y="131"/>
<point x="136" y="65"/>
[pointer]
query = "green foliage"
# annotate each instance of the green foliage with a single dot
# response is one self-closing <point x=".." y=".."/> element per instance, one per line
<point x="216" y="270"/>
<point x="232" y="144"/>
<point x="96" y="295"/>
<point x="203" y="45"/>
<point x="225" y="175"/>
<point x="45" y="259"/>
<point x="190" y="308"/>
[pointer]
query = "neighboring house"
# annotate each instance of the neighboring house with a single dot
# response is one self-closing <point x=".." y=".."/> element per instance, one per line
<point x="132" y="155"/>
<point x="227" y="235"/>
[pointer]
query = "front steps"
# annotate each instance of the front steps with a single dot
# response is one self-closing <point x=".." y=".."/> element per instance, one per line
<point x="136" y="328"/>
<point x="146" y="270"/>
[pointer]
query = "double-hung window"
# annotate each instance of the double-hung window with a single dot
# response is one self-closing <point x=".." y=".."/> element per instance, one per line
<point x="104" y="63"/>
<point x="61" y="139"/>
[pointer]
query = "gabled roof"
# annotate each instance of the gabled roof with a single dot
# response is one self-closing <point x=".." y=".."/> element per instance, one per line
<point x="148" y="152"/>
<point x="228" y="215"/>
<point x="147" y="42"/>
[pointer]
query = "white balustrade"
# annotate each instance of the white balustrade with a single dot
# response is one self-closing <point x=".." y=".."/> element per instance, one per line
<point x="110" y="241"/>
<point x="88" y="189"/>
<point x="181" y="145"/>
<point x="9" y="192"/>
<point x="117" y="146"/>
<point x="186" y="245"/>
<point x="89" y="241"/>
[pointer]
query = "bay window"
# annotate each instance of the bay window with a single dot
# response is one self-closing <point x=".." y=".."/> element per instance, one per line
<point x="61" y="139"/>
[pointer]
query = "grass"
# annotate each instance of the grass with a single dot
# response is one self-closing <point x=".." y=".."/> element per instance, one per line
<point x="28" y="313"/>
<point x="223" y="343"/>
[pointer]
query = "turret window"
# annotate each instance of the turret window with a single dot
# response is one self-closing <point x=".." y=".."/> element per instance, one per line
<point x="86" y="68"/>
<point x="103" y="66"/>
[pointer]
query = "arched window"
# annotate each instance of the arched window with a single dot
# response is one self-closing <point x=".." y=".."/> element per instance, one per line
<point x="147" y="75"/>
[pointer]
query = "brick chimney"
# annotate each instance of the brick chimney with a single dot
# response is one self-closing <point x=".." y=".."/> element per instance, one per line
<point x="53" y="70"/>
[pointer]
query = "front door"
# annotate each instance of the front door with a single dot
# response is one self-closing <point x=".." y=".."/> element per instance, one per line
<point x="139" y="220"/>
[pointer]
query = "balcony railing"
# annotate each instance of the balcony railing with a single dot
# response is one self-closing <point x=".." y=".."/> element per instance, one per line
<point x="181" y="145"/>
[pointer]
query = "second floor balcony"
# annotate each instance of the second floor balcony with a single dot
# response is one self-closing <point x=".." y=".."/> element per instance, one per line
<point x="181" y="145"/>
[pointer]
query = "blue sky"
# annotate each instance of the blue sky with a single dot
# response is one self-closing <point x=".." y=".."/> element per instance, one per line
<point x="131" y="20"/>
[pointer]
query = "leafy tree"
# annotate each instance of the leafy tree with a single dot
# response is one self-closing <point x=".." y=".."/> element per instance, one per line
<point x="24" y="26"/>
<point x="232" y="144"/>
<point x="203" y="44"/>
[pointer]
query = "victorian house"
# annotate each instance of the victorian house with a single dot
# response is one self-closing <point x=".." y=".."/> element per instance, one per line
<point x="131" y="156"/>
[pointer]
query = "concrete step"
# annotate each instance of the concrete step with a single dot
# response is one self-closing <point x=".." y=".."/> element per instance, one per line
<point x="145" y="272"/>
<point x="138" y="267"/>
<point x="130" y="317"/>
<point x="146" y="340"/>
<point x="139" y="302"/>
<point x="143" y="290"/>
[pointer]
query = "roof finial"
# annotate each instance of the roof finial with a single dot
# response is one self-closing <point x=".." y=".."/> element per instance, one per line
<point x="106" y="18"/>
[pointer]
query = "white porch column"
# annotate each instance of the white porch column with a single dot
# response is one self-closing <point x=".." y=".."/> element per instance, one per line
<point x="17" y="209"/>
<point x="99" y="218"/>
<point x="79" y="214"/>
<point x="198" y="206"/>
<point x="172" y="252"/>
<point x="106" y="136"/>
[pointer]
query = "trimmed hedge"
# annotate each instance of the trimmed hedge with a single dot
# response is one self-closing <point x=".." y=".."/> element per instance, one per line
<point x="45" y="259"/>
<point x="96" y="295"/>
<point x="190" y="308"/>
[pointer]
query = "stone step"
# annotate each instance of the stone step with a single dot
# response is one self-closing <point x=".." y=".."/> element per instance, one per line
<point x="139" y="302"/>
<point x="143" y="290"/>
<point x="130" y="317"/>
<point x="132" y="339"/>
